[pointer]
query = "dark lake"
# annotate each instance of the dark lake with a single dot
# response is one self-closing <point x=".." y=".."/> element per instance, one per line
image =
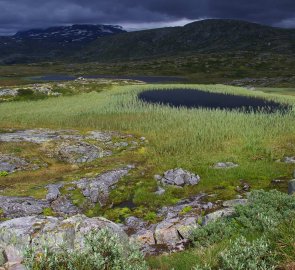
<point x="146" y="79"/>
<point x="201" y="99"/>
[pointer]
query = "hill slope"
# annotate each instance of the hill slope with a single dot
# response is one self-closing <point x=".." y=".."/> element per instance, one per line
<point x="208" y="36"/>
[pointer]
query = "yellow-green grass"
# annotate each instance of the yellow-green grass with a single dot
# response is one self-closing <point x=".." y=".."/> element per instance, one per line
<point x="281" y="91"/>
<point x="193" y="139"/>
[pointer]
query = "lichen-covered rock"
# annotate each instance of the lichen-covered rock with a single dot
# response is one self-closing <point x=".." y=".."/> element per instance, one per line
<point x="100" y="136"/>
<point x="78" y="152"/>
<point x="179" y="177"/>
<point x="11" y="163"/>
<point x="14" y="207"/>
<point x="171" y="231"/>
<point x="97" y="189"/>
<point x="225" y="165"/>
<point x="71" y="232"/>
<point x="144" y="237"/>
<point x="63" y="206"/>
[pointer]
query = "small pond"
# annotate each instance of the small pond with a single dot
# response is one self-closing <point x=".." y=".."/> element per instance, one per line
<point x="146" y="79"/>
<point x="191" y="98"/>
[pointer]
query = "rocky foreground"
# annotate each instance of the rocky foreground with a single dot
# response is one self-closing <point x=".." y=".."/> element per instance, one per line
<point x="23" y="221"/>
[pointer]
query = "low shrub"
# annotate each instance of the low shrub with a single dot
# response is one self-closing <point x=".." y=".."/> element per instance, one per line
<point x="263" y="213"/>
<point x="102" y="251"/>
<point x="3" y="173"/>
<point x="248" y="255"/>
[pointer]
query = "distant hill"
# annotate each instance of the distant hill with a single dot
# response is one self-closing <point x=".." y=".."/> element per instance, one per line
<point x="111" y="43"/>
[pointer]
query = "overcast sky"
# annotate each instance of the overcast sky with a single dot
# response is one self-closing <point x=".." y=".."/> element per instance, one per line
<point x="139" y="14"/>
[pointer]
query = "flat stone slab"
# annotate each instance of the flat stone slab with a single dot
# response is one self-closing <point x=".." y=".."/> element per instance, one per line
<point x="97" y="189"/>
<point x="78" y="152"/>
<point x="14" y="207"/>
<point x="37" y="136"/>
<point x="10" y="164"/>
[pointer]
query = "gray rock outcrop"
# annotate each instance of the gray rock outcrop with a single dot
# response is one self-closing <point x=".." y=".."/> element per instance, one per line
<point x="17" y="234"/>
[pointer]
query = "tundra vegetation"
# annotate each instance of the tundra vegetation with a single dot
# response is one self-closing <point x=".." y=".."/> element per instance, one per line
<point x="193" y="139"/>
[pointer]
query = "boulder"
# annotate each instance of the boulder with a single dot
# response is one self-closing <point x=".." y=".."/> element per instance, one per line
<point x="144" y="237"/>
<point x="160" y="191"/>
<point x="291" y="187"/>
<point x="180" y="178"/>
<point x="170" y="231"/>
<point x="227" y="212"/>
<point x="225" y="165"/>
<point x="53" y="192"/>
<point x="14" y="207"/>
<point x="21" y="232"/>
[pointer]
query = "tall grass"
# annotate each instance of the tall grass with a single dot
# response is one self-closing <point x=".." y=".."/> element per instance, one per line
<point x="189" y="138"/>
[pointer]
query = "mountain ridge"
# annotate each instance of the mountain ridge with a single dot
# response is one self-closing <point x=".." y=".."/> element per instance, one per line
<point x="206" y="36"/>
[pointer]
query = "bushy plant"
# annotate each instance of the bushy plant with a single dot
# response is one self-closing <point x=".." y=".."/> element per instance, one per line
<point x="263" y="213"/>
<point x="265" y="210"/>
<point x="102" y="251"/>
<point x="3" y="173"/>
<point x="213" y="233"/>
<point x="244" y="255"/>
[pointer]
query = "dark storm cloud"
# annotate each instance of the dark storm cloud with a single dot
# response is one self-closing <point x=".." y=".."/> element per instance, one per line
<point x="24" y="14"/>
